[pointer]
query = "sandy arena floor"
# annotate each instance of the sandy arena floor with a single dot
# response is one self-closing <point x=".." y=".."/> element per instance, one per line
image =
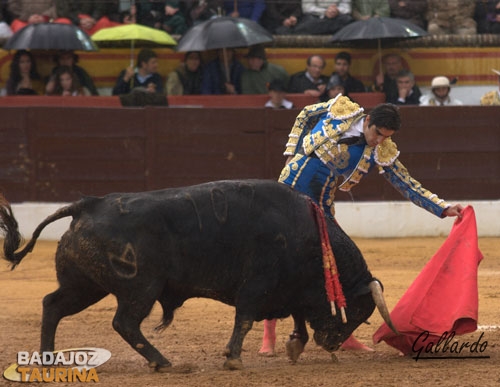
<point x="202" y="327"/>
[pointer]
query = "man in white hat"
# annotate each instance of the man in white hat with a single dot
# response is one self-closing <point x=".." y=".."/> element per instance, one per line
<point x="440" y="96"/>
<point x="492" y="97"/>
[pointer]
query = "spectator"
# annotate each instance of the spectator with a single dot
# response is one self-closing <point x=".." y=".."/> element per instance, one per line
<point x="386" y="82"/>
<point x="440" y="94"/>
<point x="187" y="77"/>
<point x="144" y="76"/>
<point x="70" y="59"/>
<point x="260" y="72"/>
<point x="410" y="10"/>
<point x="26" y="12"/>
<point x="148" y="12"/>
<point x="451" y="17"/>
<point x="199" y="11"/>
<point x="5" y="20"/>
<point x="349" y="83"/>
<point x="174" y="21"/>
<point x="66" y="83"/>
<point x="24" y="77"/>
<point x="324" y="17"/>
<point x="215" y="74"/>
<point x="492" y="97"/>
<point x="248" y="9"/>
<point x="310" y="81"/>
<point x="277" y="94"/>
<point x="282" y="16"/>
<point x="365" y="9"/>
<point x="408" y="92"/>
<point x="487" y="16"/>
<point x="334" y="87"/>
<point x="91" y="16"/>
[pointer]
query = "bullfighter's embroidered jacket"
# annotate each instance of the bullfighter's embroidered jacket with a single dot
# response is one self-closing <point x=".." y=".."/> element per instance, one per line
<point x="321" y="164"/>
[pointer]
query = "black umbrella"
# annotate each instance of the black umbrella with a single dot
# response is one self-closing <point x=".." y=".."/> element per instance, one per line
<point x="50" y="36"/>
<point x="223" y="32"/>
<point x="378" y="28"/>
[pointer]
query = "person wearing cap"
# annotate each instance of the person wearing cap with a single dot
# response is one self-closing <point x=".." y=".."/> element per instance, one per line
<point x="260" y="72"/>
<point x="492" y="97"/>
<point x="174" y="21"/>
<point x="277" y="94"/>
<point x="334" y="87"/>
<point x="440" y="96"/>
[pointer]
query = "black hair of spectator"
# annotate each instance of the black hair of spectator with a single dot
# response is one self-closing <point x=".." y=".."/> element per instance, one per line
<point x="344" y="55"/>
<point x="145" y="55"/>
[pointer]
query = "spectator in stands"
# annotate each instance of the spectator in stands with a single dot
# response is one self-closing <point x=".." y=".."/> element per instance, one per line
<point x="349" y="83"/>
<point x="410" y="10"/>
<point x="91" y="16"/>
<point x="70" y="59"/>
<point x="365" y="9"/>
<point x="277" y="96"/>
<point x="487" y="16"/>
<point x="144" y="76"/>
<point x="282" y="16"/>
<point x="440" y="94"/>
<point x="492" y="97"/>
<point x="187" y="77"/>
<point x="5" y="20"/>
<point x="311" y="81"/>
<point x="198" y="11"/>
<point x="334" y="87"/>
<point x="66" y="83"/>
<point x="24" y="77"/>
<point x="324" y="17"/>
<point x="26" y="12"/>
<point x="260" y="72"/>
<point x="174" y="21"/>
<point x="215" y="74"/>
<point x="408" y="92"/>
<point x="386" y="81"/>
<point x="150" y="12"/>
<point x="451" y="17"/>
<point x="248" y="9"/>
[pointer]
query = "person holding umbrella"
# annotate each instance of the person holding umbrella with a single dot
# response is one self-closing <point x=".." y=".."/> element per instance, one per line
<point x="215" y="79"/>
<point x="144" y="76"/>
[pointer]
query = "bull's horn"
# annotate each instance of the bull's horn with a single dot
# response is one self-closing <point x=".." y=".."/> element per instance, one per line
<point x="378" y="297"/>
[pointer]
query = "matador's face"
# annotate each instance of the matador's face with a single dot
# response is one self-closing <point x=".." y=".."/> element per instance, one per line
<point x="375" y="135"/>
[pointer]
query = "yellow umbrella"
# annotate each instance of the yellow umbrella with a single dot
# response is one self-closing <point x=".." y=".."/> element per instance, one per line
<point x="133" y="34"/>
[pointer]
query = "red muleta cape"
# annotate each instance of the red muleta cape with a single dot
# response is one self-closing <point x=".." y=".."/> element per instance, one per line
<point x="444" y="296"/>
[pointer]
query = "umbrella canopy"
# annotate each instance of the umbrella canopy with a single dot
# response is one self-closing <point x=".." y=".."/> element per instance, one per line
<point x="50" y="36"/>
<point x="223" y="32"/>
<point x="378" y="28"/>
<point x="133" y="35"/>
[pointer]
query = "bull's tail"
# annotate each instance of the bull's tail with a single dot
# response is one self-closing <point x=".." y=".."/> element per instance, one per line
<point x="12" y="236"/>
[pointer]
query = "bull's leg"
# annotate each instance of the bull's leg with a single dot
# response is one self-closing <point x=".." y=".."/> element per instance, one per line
<point x="242" y="326"/>
<point x="127" y="323"/>
<point x="298" y="338"/>
<point x="71" y="297"/>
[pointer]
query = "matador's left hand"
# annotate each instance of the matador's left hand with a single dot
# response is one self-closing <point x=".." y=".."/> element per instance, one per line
<point x="455" y="210"/>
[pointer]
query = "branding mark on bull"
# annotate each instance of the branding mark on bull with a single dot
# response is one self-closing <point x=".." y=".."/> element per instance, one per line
<point x="219" y="204"/>
<point x="125" y="265"/>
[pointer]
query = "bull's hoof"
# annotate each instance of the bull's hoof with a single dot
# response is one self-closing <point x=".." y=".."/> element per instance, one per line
<point x="294" y="347"/>
<point x="233" y="364"/>
<point x="160" y="367"/>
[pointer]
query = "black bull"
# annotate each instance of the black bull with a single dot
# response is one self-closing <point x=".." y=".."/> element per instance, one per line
<point x="252" y="244"/>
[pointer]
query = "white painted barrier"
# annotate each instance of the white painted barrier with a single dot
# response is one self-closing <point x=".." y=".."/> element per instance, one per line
<point x="363" y="219"/>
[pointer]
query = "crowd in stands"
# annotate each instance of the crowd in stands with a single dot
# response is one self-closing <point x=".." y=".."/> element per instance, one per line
<point x="226" y="74"/>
